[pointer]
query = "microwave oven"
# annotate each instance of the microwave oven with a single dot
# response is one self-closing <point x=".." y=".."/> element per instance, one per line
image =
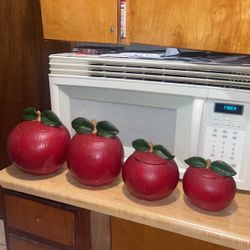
<point x="193" y="109"/>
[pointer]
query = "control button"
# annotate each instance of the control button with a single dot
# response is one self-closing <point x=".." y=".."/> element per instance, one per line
<point x="233" y="165"/>
<point x="226" y="119"/>
<point x="212" y="155"/>
<point x="237" y="120"/>
<point x="224" y="131"/>
<point x="236" y="126"/>
<point x="235" y="132"/>
<point x="222" y="152"/>
<point x="224" y="136"/>
<point x="231" y="158"/>
<point x="235" y="137"/>
<point x="214" y="135"/>
<point x="215" y="130"/>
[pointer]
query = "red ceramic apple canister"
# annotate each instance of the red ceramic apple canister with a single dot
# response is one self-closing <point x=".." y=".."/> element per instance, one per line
<point x="38" y="145"/>
<point x="95" y="154"/>
<point x="209" y="185"/>
<point x="150" y="173"/>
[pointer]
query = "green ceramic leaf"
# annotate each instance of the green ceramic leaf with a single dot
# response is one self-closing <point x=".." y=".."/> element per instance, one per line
<point x="50" y="118"/>
<point x="106" y="129"/>
<point x="222" y="168"/>
<point x="162" y="152"/>
<point x="29" y="114"/>
<point x="140" y="145"/>
<point x="197" y="162"/>
<point x="82" y="125"/>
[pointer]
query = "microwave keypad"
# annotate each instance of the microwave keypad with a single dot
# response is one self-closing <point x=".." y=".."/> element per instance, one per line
<point x="224" y="140"/>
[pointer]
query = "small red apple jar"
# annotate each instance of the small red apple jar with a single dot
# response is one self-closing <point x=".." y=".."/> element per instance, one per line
<point x="38" y="145"/>
<point x="95" y="154"/>
<point x="209" y="185"/>
<point x="150" y="173"/>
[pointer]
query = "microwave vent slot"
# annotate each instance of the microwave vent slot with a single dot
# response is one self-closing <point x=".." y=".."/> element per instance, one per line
<point x="161" y="71"/>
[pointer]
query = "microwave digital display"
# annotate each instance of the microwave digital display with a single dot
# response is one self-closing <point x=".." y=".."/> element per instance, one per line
<point x="228" y="108"/>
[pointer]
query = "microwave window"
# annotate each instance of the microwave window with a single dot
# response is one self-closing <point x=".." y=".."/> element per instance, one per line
<point x="133" y="121"/>
<point x="228" y="108"/>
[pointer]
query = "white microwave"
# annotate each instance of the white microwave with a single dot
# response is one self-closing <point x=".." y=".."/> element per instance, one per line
<point x="193" y="109"/>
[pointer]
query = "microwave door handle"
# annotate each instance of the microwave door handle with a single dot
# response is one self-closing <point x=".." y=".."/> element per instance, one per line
<point x="198" y="105"/>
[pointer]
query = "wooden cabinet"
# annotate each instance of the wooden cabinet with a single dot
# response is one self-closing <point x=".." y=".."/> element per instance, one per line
<point x="215" y="25"/>
<point x="80" y="20"/>
<point x="33" y="223"/>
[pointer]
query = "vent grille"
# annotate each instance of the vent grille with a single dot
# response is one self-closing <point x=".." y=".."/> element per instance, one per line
<point x="162" y="71"/>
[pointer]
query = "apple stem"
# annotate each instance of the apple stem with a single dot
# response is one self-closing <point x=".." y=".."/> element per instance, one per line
<point x="208" y="163"/>
<point x="94" y="131"/>
<point x="38" y="112"/>
<point x="150" y="144"/>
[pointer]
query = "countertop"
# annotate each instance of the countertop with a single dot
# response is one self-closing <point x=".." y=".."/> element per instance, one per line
<point x="230" y="227"/>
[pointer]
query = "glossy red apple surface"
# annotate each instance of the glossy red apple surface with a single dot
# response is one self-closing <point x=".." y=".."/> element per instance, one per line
<point x="149" y="176"/>
<point x="207" y="189"/>
<point x="37" y="148"/>
<point x="95" y="159"/>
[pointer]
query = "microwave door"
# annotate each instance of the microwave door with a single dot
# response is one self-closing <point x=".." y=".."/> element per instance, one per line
<point x="171" y="120"/>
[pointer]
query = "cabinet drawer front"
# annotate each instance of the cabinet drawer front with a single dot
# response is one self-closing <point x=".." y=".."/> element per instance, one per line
<point x="22" y="244"/>
<point x="43" y="220"/>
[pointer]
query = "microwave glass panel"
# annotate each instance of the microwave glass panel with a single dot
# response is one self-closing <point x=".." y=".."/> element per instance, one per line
<point x="133" y="121"/>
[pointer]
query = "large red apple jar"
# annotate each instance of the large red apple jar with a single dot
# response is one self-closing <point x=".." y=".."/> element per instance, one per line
<point x="38" y="145"/>
<point x="150" y="173"/>
<point x="95" y="155"/>
<point x="209" y="185"/>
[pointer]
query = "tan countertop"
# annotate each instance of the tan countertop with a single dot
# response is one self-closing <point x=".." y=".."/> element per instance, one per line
<point x="230" y="227"/>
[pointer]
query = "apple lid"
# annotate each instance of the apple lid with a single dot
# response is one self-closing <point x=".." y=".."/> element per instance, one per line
<point x="149" y="158"/>
<point x="92" y="138"/>
<point x="206" y="173"/>
<point x="33" y="126"/>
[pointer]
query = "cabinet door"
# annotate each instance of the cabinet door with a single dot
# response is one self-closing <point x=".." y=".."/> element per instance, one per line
<point x="216" y="25"/>
<point x="134" y="236"/>
<point x="80" y="20"/>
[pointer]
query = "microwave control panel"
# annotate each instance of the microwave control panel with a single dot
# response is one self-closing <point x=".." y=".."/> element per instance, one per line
<point x="224" y="136"/>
